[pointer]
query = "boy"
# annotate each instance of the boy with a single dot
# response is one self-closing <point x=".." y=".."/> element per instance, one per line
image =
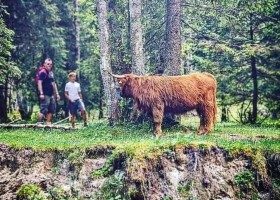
<point x="74" y="96"/>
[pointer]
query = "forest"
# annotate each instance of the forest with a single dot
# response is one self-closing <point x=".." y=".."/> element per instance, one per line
<point x="236" y="41"/>
<point x="117" y="156"/>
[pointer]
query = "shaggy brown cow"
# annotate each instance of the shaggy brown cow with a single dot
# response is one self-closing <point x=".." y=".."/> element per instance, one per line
<point x="173" y="94"/>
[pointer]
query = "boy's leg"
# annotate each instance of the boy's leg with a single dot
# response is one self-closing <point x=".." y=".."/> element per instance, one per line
<point x="73" y="121"/>
<point x="73" y="113"/>
<point x="84" y="116"/>
<point x="81" y="107"/>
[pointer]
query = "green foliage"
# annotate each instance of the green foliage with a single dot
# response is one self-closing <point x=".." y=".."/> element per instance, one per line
<point x="215" y="34"/>
<point x="58" y="194"/>
<point x="271" y="123"/>
<point x="244" y="179"/>
<point x="7" y="68"/>
<point x="218" y="34"/>
<point x="114" y="187"/>
<point x="130" y="137"/>
<point x="276" y="186"/>
<point x="30" y="192"/>
<point x="185" y="188"/>
<point x="107" y="169"/>
<point x="76" y="157"/>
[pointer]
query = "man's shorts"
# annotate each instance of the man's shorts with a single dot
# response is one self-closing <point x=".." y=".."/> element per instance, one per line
<point x="75" y="106"/>
<point x="47" y="105"/>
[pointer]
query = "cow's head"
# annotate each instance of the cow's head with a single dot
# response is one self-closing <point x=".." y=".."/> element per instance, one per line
<point x="126" y="84"/>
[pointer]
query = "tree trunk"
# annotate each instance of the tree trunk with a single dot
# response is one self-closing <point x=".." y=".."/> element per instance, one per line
<point x="253" y="118"/>
<point x="3" y="105"/>
<point x="136" y="38"/>
<point x="173" y="38"/>
<point x="105" y="66"/>
<point x="101" y="95"/>
<point x="172" y="55"/>
<point x="224" y="117"/>
<point x="77" y="38"/>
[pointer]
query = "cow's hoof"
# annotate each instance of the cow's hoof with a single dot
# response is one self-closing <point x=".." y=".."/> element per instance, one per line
<point x="160" y="135"/>
<point x="203" y="133"/>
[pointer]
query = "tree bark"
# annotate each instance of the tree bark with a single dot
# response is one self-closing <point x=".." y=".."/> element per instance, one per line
<point x="3" y="104"/>
<point x="172" y="54"/>
<point x="253" y="118"/>
<point x="173" y="38"/>
<point x="105" y="66"/>
<point x="77" y="37"/>
<point x="101" y="95"/>
<point x="136" y="38"/>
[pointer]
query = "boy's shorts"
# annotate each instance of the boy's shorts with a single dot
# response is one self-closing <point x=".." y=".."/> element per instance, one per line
<point x="75" y="106"/>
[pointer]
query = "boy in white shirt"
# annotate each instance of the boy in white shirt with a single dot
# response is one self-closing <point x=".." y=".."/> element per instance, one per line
<point x="74" y="96"/>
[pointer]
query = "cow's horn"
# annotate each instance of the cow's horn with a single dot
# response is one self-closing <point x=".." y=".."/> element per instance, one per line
<point x="118" y="76"/>
<point x="114" y="75"/>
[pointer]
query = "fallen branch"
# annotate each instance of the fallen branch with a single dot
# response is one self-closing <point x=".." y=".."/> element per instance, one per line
<point x="61" y="120"/>
<point x="14" y="121"/>
<point x="35" y="126"/>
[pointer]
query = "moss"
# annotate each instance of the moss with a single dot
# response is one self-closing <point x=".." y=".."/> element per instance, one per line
<point x="109" y="167"/>
<point x="276" y="187"/>
<point x="76" y="157"/>
<point x="58" y="194"/>
<point x="30" y="191"/>
<point x="114" y="187"/>
<point x="244" y="179"/>
<point x="184" y="189"/>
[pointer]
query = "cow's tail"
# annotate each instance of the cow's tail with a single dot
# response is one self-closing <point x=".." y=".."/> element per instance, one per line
<point x="214" y="103"/>
<point x="215" y="109"/>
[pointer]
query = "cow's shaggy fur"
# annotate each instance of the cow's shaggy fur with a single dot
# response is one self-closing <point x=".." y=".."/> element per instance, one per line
<point x="173" y="94"/>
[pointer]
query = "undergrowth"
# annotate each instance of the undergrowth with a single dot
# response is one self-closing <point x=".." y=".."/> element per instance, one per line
<point x="129" y="136"/>
<point x="136" y="147"/>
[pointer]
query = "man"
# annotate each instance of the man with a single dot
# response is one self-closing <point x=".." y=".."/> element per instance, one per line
<point x="74" y="96"/>
<point x="47" y="88"/>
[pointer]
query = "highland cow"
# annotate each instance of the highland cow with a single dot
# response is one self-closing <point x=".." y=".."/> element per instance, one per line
<point x="173" y="94"/>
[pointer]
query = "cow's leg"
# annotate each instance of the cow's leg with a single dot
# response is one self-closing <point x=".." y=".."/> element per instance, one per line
<point x="209" y="111"/>
<point x="208" y="118"/>
<point x="200" y="113"/>
<point x="158" y="116"/>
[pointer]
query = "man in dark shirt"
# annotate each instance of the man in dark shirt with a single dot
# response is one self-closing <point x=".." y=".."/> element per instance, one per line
<point x="47" y="88"/>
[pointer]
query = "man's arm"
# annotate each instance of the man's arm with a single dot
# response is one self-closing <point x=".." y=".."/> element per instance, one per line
<point x="40" y="89"/>
<point x="55" y="90"/>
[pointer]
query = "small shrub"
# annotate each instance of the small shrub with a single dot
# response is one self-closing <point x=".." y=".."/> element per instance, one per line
<point x="244" y="179"/>
<point x="185" y="188"/>
<point x="276" y="187"/>
<point x="76" y="157"/>
<point x="58" y="194"/>
<point x="114" y="187"/>
<point x="30" y="192"/>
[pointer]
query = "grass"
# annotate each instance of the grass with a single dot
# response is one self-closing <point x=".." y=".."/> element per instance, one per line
<point x="227" y="135"/>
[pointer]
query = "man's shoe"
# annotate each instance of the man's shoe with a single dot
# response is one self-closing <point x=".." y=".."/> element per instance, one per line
<point x="85" y="124"/>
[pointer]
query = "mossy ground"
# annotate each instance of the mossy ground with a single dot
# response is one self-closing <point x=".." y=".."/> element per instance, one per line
<point x="140" y="137"/>
<point x="137" y="143"/>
